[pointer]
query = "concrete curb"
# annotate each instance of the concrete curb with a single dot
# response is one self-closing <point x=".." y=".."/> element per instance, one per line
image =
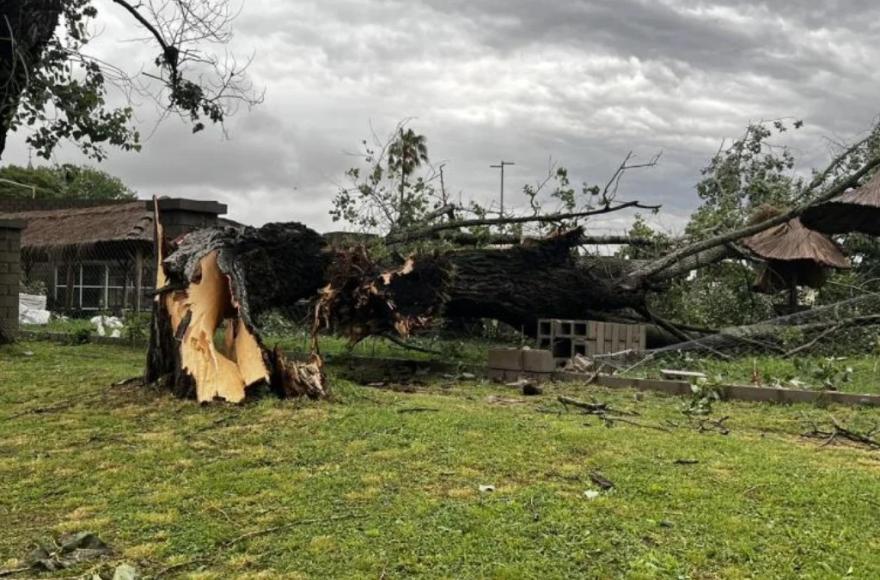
<point x="731" y="392"/>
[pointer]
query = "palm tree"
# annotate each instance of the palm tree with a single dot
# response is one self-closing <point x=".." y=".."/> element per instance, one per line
<point x="405" y="155"/>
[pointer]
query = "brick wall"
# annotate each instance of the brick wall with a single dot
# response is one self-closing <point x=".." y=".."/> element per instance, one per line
<point x="10" y="241"/>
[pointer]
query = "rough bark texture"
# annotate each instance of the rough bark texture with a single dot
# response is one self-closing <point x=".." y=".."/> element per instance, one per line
<point x="227" y="278"/>
<point x="25" y="28"/>
<point x="546" y="279"/>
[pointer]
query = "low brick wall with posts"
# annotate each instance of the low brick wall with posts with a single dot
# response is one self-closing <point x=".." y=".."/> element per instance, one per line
<point x="10" y="260"/>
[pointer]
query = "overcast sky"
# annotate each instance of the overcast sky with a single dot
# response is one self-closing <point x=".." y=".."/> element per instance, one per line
<point x="580" y="81"/>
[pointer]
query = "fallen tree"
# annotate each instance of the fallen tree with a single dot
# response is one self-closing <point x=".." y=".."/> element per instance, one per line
<point x="228" y="277"/>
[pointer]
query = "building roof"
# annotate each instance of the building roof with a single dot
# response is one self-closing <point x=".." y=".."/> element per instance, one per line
<point x="791" y="241"/>
<point x="857" y="210"/>
<point x="59" y="230"/>
<point x="86" y="230"/>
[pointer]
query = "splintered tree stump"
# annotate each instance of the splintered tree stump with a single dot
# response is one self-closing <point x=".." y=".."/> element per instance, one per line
<point x="220" y="281"/>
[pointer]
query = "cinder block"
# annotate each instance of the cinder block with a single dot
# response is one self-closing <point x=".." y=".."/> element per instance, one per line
<point x="563" y="327"/>
<point x="545" y="327"/>
<point x="538" y="361"/>
<point x="506" y="359"/>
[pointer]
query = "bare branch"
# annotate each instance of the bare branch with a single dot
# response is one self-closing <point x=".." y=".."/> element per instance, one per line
<point x="429" y="231"/>
<point x="639" y="276"/>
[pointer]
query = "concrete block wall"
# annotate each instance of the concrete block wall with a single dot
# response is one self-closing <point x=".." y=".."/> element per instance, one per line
<point x="10" y="263"/>
<point x="569" y="338"/>
<point x="515" y="363"/>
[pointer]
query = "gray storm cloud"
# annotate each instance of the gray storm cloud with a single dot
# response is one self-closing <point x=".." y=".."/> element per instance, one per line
<point x="583" y="82"/>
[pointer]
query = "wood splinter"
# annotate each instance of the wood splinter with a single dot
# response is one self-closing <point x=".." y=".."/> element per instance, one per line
<point x="208" y="291"/>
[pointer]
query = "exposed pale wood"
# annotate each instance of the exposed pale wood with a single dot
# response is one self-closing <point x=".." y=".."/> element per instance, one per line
<point x="248" y="355"/>
<point x="208" y="301"/>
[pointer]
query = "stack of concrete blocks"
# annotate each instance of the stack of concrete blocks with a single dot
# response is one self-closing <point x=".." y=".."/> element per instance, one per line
<point x="10" y="261"/>
<point x="511" y="364"/>
<point x="567" y="339"/>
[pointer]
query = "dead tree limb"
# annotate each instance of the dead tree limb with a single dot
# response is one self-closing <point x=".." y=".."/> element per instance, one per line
<point x="838" y="431"/>
<point x="655" y="267"/>
<point x="427" y="232"/>
<point x="494" y="239"/>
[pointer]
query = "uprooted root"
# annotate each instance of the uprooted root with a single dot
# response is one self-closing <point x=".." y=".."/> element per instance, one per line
<point x="365" y="299"/>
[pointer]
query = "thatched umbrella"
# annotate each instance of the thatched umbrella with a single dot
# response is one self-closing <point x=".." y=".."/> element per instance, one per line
<point x="857" y="210"/>
<point x="794" y="256"/>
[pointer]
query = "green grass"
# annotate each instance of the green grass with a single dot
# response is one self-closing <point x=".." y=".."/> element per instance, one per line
<point x="811" y="372"/>
<point x="380" y="484"/>
<point x="465" y="350"/>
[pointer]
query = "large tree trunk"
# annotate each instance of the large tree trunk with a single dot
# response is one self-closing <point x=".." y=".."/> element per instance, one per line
<point x="226" y="279"/>
<point x="545" y="279"/>
<point x="26" y="26"/>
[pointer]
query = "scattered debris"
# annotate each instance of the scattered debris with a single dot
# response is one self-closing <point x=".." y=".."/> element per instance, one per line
<point x="532" y="390"/>
<point x="32" y="309"/>
<point x="496" y="400"/>
<point x="838" y="431"/>
<point x="133" y="381"/>
<point x="682" y="375"/>
<point x="467" y="376"/>
<point x="590" y="408"/>
<point x="591" y="494"/>
<point x="579" y="364"/>
<point x="103" y="324"/>
<point x="125" y="572"/>
<point x="520" y="384"/>
<point x="603" y="482"/>
<point x="603" y="411"/>
<point x="389" y="387"/>
<point x="69" y="550"/>
<point x="713" y="425"/>
<point x="487" y="488"/>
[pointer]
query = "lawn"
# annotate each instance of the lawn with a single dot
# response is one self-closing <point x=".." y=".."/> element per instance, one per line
<point x="852" y="374"/>
<point x="386" y="484"/>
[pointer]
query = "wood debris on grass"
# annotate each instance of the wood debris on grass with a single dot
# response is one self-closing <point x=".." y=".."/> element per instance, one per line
<point x="837" y="431"/>
<point x="607" y="414"/>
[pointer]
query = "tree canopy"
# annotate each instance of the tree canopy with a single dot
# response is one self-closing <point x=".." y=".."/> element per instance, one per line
<point x="61" y="181"/>
<point x="54" y="89"/>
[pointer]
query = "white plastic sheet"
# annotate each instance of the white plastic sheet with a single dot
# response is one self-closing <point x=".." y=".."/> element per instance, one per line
<point x="32" y="309"/>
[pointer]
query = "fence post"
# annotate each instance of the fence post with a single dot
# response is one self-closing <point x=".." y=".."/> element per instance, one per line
<point x="10" y="276"/>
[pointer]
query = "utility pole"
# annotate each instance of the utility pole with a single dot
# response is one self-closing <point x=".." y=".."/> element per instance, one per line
<point x="501" y="167"/>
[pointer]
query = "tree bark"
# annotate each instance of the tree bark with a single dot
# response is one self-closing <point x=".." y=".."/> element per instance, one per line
<point x="546" y="279"/>
<point x="26" y="26"/>
<point x="226" y="279"/>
